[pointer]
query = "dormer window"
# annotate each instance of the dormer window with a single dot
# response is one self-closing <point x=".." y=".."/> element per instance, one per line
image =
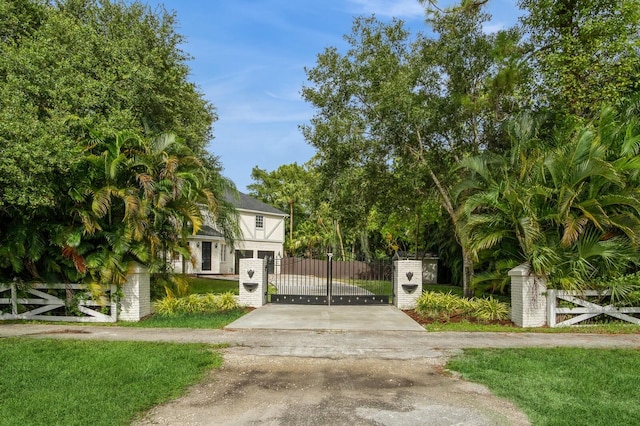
<point x="259" y="221"/>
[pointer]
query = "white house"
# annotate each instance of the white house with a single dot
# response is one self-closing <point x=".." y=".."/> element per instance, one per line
<point x="262" y="234"/>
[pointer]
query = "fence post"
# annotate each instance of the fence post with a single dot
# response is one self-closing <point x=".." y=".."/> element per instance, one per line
<point x="253" y="282"/>
<point x="528" y="297"/>
<point x="551" y="308"/>
<point x="407" y="283"/>
<point x="136" y="294"/>
<point x="14" y="299"/>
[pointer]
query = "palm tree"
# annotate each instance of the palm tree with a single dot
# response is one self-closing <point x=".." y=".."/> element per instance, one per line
<point x="138" y="201"/>
<point x="568" y="207"/>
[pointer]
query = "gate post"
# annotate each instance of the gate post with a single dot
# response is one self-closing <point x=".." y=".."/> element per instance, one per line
<point x="253" y="282"/>
<point x="407" y="283"/>
<point x="528" y="298"/>
<point x="136" y="297"/>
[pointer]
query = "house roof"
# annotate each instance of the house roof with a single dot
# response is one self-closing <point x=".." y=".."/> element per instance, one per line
<point x="208" y="231"/>
<point x="246" y="202"/>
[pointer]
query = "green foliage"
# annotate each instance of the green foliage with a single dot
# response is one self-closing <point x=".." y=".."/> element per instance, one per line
<point x="132" y="378"/>
<point x="289" y="189"/>
<point x="396" y="112"/>
<point x="437" y="305"/>
<point x="443" y="306"/>
<point x="489" y="309"/>
<point x="623" y="290"/>
<point x="584" y="53"/>
<point x="102" y="138"/>
<point x="196" y="304"/>
<point x="559" y="385"/>
<point x="169" y="285"/>
<point x="72" y="65"/>
<point x="495" y="275"/>
<point x="568" y="206"/>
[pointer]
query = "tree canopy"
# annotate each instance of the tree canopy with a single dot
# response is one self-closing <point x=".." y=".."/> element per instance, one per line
<point x="102" y="141"/>
<point x="404" y="120"/>
<point x="74" y="65"/>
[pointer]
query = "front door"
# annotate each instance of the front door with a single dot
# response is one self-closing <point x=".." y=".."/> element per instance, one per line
<point x="206" y="255"/>
<point x="270" y="258"/>
<point x="242" y="254"/>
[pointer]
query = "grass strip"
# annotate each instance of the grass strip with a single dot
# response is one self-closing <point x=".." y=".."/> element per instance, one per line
<point x="67" y="382"/>
<point x="560" y="386"/>
<point x="466" y="326"/>
<point x="215" y="321"/>
<point x="210" y="285"/>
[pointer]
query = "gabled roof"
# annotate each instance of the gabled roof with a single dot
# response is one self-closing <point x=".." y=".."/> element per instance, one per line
<point x="208" y="231"/>
<point x="246" y="202"/>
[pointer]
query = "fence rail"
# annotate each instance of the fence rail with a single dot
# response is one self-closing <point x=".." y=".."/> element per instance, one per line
<point x="18" y="302"/>
<point x="582" y="309"/>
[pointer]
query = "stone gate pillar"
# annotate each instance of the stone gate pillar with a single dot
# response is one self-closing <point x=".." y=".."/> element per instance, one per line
<point x="407" y="283"/>
<point x="528" y="298"/>
<point x="253" y="282"/>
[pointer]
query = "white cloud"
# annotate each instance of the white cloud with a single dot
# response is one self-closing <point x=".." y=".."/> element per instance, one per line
<point x="492" y="27"/>
<point x="258" y="111"/>
<point x="385" y="8"/>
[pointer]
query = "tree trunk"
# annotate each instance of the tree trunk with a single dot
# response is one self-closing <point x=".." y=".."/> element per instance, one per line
<point x="340" y="240"/>
<point x="467" y="259"/>
<point x="467" y="272"/>
<point x="447" y="203"/>
<point x="291" y="222"/>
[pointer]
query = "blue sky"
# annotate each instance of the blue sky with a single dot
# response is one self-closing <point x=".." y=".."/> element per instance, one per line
<point x="249" y="59"/>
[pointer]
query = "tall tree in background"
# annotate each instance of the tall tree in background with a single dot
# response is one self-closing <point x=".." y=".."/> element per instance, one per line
<point x="395" y="107"/>
<point x="584" y="53"/>
<point x="288" y="188"/>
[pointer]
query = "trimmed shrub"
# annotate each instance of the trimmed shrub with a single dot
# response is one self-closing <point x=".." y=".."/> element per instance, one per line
<point x="490" y="309"/>
<point x="444" y="306"/>
<point x="196" y="304"/>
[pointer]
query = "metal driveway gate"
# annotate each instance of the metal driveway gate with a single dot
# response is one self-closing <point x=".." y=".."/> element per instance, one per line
<point x="330" y="282"/>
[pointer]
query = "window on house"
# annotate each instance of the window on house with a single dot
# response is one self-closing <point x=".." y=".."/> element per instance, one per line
<point x="223" y="253"/>
<point x="259" y="222"/>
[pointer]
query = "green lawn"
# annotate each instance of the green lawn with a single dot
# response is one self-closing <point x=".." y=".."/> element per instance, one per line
<point x="443" y="288"/>
<point x="560" y="386"/>
<point x="216" y="320"/>
<point x="66" y="382"/>
<point x="374" y="286"/>
<point x="199" y="285"/>
<point x="616" y="327"/>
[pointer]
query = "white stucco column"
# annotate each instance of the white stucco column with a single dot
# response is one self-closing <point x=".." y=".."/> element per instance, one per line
<point x="136" y="294"/>
<point x="528" y="298"/>
<point x="407" y="283"/>
<point x="253" y="282"/>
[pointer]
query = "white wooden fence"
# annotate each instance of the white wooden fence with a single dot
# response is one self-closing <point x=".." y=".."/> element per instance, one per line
<point x="582" y="309"/>
<point x="43" y="302"/>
